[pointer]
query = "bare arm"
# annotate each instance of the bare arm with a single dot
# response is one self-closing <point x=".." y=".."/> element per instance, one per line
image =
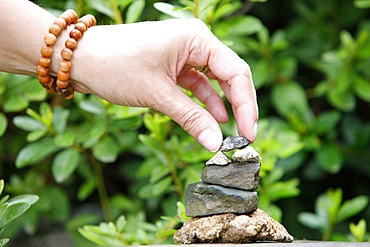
<point x="141" y="64"/>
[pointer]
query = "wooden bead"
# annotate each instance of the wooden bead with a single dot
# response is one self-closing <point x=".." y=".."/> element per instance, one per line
<point x="92" y="19"/>
<point x="61" y="23"/>
<point x="81" y="27"/>
<point x="42" y="71"/>
<point x="71" y="43"/>
<point x="43" y="79"/>
<point x="72" y="15"/>
<point x="67" y="54"/>
<point x="46" y="51"/>
<point x="55" y="29"/>
<point x="61" y="83"/>
<point x="50" y="39"/>
<point x="67" y="18"/>
<point x="63" y="76"/>
<point x="65" y="66"/>
<point x="75" y="34"/>
<point x="44" y="61"/>
<point x="84" y="21"/>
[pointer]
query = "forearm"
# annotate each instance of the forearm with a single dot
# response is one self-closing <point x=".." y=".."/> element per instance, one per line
<point x="22" y="38"/>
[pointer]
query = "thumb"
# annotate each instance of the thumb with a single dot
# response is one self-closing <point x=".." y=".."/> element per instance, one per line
<point x="195" y="120"/>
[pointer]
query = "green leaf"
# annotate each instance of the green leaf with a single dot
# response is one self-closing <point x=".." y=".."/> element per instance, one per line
<point x="329" y="157"/>
<point x="35" y="152"/>
<point x="161" y="186"/>
<point x="363" y="4"/>
<point x="26" y="198"/>
<point x="36" y="135"/>
<point x="102" y="7"/>
<point x="60" y="118"/>
<point x="290" y="99"/>
<point x="91" y="106"/>
<point x="311" y="220"/>
<point x="134" y="11"/>
<point x="362" y="88"/>
<point x="326" y="122"/>
<point x="106" y="150"/>
<point x="342" y="100"/>
<point x="4" y="241"/>
<point x="352" y="207"/>
<point x="46" y="113"/>
<point x="64" y="164"/>
<point x="359" y="230"/>
<point x="3" y="124"/>
<point x="27" y="123"/>
<point x="1" y="186"/>
<point x="12" y="212"/>
<point x="85" y="190"/>
<point x="15" y="103"/>
<point x="64" y="140"/>
<point x="165" y="233"/>
<point x="170" y="10"/>
<point x="121" y="223"/>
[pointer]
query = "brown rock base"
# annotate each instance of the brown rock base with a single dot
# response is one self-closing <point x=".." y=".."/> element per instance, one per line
<point x="232" y="228"/>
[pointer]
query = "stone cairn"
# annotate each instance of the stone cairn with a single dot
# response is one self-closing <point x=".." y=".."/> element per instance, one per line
<point x="224" y="205"/>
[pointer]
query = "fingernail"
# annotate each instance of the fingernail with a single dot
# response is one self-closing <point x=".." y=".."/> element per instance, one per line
<point x="210" y="140"/>
<point x="255" y="127"/>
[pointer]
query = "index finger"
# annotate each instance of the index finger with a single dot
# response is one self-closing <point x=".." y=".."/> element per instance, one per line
<point x="235" y="78"/>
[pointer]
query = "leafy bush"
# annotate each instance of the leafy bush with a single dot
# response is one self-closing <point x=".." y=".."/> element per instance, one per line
<point x="310" y="65"/>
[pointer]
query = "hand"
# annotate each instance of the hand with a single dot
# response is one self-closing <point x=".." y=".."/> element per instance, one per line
<point x="144" y="64"/>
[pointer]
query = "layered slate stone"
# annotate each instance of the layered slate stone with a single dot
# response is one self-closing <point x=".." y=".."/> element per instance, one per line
<point x="234" y="142"/>
<point x="205" y="199"/>
<point x="240" y="176"/>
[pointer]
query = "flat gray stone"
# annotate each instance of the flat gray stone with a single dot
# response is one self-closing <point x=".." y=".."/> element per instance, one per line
<point x="240" y="176"/>
<point x="232" y="228"/>
<point x="219" y="159"/>
<point x="205" y="199"/>
<point x="234" y="142"/>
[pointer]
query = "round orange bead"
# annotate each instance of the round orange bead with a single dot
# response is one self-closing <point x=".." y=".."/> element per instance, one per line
<point x="72" y="15"/>
<point x="44" y="61"/>
<point x="84" y="21"/>
<point x="50" y="39"/>
<point x="46" y="51"/>
<point x="61" y="83"/>
<point x="92" y="19"/>
<point x="61" y="23"/>
<point x="67" y="54"/>
<point x="71" y="43"/>
<point x="43" y="79"/>
<point x="66" y="17"/>
<point x="81" y="27"/>
<point x="42" y="71"/>
<point x="55" y="29"/>
<point x="65" y="66"/>
<point x="63" y="76"/>
<point x="75" y="34"/>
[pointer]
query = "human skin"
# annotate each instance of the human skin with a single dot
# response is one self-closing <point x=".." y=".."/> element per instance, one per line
<point x="143" y="65"/>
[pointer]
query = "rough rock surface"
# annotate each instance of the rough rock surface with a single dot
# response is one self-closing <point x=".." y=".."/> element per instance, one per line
<point x="234" y="142"/>
<point x="240" y="176"/>
<point x="219" y="159"/>
<point x="205" y="199"/>
<point x="232" y="228"/>
<point x="246" y="155"/>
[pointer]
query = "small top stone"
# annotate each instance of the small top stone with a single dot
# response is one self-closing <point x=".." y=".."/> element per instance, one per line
<point x="219" y="159"/>
<point x="234" y="142"/>
<point x="247" y="155"/>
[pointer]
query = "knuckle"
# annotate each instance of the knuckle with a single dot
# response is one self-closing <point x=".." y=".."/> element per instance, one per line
<point x="190" y="119"/>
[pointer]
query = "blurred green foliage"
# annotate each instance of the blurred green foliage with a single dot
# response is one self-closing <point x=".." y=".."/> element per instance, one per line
<point x="310" y="63"/>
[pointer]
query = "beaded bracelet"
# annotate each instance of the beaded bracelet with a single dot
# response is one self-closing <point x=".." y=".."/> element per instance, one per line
<point x="60" y="84"/>
<point x="63" y="87"/>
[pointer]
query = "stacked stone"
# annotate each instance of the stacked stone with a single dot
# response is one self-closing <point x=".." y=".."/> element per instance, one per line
<point x="224" y="206"/>
<point x="228" y="186"/>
